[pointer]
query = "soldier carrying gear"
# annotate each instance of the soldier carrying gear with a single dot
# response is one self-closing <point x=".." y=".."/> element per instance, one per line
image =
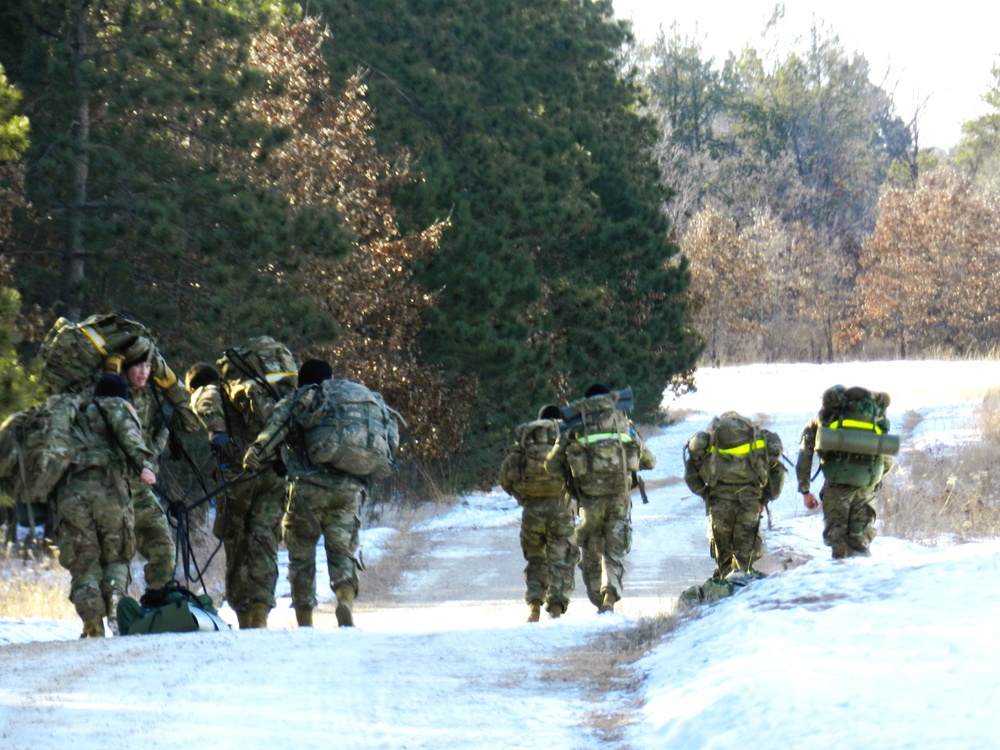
<point x="548" y="517"/>
<point x="850" y="434"/>
<point x="233" y="401"/>
<point x="735" y="467"/>
<point x="94" y="532"/>
<point x="598" y="455"/>
<point x="333" y="435"/>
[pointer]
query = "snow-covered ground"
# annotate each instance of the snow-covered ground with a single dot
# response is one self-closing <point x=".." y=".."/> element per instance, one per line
<point x="892" y="651"/>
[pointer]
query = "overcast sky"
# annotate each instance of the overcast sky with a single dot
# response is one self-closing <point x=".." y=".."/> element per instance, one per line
<point x="941" y="58"/>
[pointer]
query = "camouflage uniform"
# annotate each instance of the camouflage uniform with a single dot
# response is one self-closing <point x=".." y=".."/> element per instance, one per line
<point x="321" y="502"/>
<point x="547" y="525"/>
<point x="604" y="534"/>
<point x="848" y="510"/>
<point x="154" y="539"/>
<point x="735" y="510"/>
<point x="249" y="512"/>
<point x="94" y="533"/>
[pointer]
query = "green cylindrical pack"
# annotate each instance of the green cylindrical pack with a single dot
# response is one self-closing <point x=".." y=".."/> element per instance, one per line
<point x="864" y="442"/>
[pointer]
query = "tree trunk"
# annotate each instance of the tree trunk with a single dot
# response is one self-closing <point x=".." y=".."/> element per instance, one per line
<point x="74" y="271"/>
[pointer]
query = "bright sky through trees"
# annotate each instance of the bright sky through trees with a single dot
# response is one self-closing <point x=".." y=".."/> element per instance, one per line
<point x="937" y="59"/>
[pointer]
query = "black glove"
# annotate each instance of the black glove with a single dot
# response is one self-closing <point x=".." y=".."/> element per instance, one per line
<point x="217" y="441"/>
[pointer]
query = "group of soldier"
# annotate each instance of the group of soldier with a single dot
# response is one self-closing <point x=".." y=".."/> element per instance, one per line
<point x="269" y="490"/>
<point x="735" y="473"/>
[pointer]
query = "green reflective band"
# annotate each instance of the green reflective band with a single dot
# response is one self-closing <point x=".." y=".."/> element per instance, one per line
<point x="855" y="425"/>
<point x="742" y="450"/>
<point x="622" y="437"/>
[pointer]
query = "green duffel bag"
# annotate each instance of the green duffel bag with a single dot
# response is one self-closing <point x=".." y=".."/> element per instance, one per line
<point x="172" y="609"/>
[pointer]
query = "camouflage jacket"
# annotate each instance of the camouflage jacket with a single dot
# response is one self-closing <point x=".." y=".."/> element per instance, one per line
<point x="152" y="412"/>
<point x="240" y="409"/>
<point x="110" y="434"/>
<point x="283" y="434"/>
<point x="807" y="448"/>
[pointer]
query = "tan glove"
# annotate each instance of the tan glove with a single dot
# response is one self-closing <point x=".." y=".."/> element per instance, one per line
<point x="251" y="460"/>
<point x="113" y="363"/>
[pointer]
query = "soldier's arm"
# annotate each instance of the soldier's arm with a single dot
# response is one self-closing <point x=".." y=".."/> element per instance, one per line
<point x="279" y="423"/>
<point x="803" y="466"/>
<point x="124" y="422"/>
<point x="555" y="462"/>
<point x="206" y="403"/>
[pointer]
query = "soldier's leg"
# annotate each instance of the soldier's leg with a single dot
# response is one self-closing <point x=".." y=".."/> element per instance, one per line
<point x="617" y="543"/>
<point x="154" y="539"/>
<point x="861" y="522"/>
<point x="341" y="523"/>
<point x="536" y="574"/>
<point x="722" y="513"/>
<point x="836" y="500"/>
<point x="562" y="554"/>
<point x="263" y="536"/>
<point x="590" y="541"/>
<point x="112" y="511"/>
<point x="80" y="552"/>
<point x="232" y="527"/>
<point x="747" y="544"/>
<point x="301" y="532"/>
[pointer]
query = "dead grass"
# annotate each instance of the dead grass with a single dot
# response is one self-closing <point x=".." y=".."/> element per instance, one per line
<point x="605" y="666"/>
<point x="32" y="584"/>
<point x="951" y="493"/>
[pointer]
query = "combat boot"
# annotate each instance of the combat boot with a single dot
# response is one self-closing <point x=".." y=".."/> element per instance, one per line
<point x="534" y="611"/>
<point x="608" y="605"/>
<point x="556" y="611"/>
<point x="345" y="601"/>
<point x="242" y="618"/>
<point x="304" y="617"/>
<point x="93" y="628"/>
<point x="257" y="616"/>
<point x="112" y="606"/>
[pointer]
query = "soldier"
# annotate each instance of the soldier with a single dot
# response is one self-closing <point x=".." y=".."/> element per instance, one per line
<point x="322" y="500"/>
<point x="548" y="519"/>
<point x="851" y="436"/>
<point x="250" y="510"/>
<point x="735" y="466"/>
<point x="153" y="536"/>
<point x="94" y="533"/>
<point x="600" y="455"/>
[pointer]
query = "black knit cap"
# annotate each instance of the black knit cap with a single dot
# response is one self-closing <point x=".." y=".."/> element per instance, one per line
<point x="550" y="411"/>
<point x="111" y="386"/>
<point x="314" y="371"/>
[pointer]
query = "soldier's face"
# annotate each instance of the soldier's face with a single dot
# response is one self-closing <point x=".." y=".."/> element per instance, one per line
<point x="138" y="375"/>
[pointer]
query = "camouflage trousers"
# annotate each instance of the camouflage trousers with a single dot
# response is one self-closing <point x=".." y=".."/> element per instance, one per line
<point x="848" y="519"/>
<point x="95" y="538"/>
<point x="248" y="522"/>
<point x="735" y="519"/>
<point x="154" y="539"/>
<point x="551" y="553"/>
<point x="331" y="511"/>
<point x="604" y="537"/>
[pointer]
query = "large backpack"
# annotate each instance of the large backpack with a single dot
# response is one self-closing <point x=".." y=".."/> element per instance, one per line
<point x="73" y="358"/>
<point x="604" y="449"/>
<point x="352" y="429"/>
<point x="853" y="438"/>
<point x="256" y="376"/>
<point x="73" y="353"/>
<point x="735" y="452"/>
<point x="37" y="447"/>
<point x="172" y="609"/>
<point x="526" y="478"/>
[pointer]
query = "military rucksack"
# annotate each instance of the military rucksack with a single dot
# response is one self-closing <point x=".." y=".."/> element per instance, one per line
<point x="74" y="354"/>
<point x="853" y="437"/>
<point x="256" y="376"/>
<point x="172" y="609"/>
<point x="734" y="451"/>
<point x="525" y="476"/>
<point x="604" y="450"/>
<point x="37" y="447"/>
<point x="352" y="429"/>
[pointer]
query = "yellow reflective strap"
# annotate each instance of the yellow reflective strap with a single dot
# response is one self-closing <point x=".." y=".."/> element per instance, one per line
<point x="274" y="377"/>
<point x="742" y="450"/>
<point x="95" y="337"/>
<point x="622" y="437"/>
<point x="855" y="424"/>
